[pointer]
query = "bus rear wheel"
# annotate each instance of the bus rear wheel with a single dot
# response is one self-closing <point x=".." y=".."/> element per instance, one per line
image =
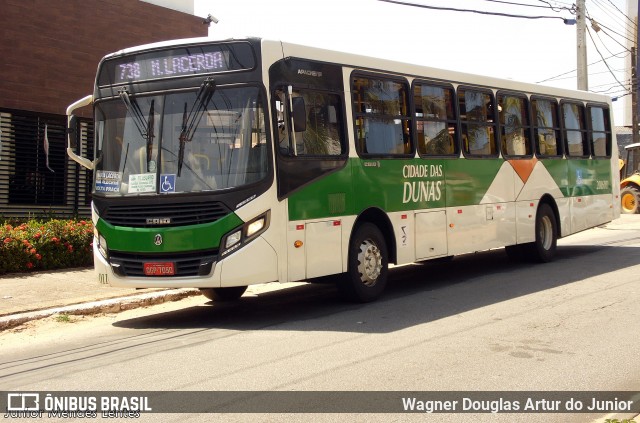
<point x="630" y="199"/>
<point x="543" y="249"/>
<point x="368" y="265"/>
<point x="223" y="294"/>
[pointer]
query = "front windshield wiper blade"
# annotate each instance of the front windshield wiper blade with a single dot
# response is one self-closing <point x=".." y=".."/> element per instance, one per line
<point x="191" y="121"/>
<point x="134" y="110"/>
<point x="150" y="135"/>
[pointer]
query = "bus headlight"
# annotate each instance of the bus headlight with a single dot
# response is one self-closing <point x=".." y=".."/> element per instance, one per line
<point x="233" y="239"/>
<point x="256" y="226"/>
<point x="244" y="234"/>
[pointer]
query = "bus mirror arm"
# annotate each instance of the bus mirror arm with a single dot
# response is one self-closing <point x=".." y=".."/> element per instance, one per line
<point x="72" y="133"/>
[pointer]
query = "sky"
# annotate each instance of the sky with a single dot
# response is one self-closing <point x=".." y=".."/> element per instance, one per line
<point x="528" y="50"/>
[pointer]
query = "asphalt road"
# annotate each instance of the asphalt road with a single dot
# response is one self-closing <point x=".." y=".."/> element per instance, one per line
<point x="478" y="323"/>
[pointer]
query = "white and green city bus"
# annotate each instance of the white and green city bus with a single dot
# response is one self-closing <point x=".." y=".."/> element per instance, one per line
<point x="224" y="163"/>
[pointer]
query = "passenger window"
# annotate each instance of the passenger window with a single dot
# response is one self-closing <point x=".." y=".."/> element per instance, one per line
<point x="435" y="120"/>
<point x="322" y="135"/>
<point x="515" y="139"/>
<point x="575" y="130"/>
<point x="478" y="122"/>
<point x="382" y="121"/>
<point x="547" y="127"/>
<point x="600" y="136"/>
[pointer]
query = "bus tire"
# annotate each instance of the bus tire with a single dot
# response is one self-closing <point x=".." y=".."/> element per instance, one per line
<point x="543" y="249"/>
<point x="630" y="199"/>
<point x="368" y="265"/>
<point x="223" y="294"/>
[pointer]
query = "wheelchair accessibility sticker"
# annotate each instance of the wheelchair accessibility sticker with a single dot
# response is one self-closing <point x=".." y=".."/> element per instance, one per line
<point x="168" y="183"/>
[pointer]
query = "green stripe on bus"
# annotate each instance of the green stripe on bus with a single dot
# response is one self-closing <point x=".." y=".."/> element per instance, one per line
<point x="394" y="185"/>
<point x="204" y="236"/>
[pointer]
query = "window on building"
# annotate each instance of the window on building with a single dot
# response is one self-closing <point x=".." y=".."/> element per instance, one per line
<point x="382" y="121"/>
<point x="436" y="127"/>
<point x="36" y="148"/>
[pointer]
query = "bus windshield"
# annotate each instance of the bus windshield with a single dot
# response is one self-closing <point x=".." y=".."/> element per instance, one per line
<point x="180" y="142"/>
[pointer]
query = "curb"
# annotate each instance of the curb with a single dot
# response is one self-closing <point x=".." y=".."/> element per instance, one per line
<point x="113" y="305"/>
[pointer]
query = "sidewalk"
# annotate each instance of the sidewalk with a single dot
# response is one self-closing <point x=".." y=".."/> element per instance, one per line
<point x="30" y="296"/>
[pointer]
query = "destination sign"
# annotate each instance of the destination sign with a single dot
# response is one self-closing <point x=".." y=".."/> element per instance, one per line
<point x="175" y="62"/>
<point x="171" y="66"/>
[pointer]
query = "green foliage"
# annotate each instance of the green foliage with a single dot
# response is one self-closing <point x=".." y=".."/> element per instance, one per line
<point x="45" y="245"/>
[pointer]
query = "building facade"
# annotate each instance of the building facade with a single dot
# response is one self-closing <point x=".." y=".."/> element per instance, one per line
<point x="49" y="53"/>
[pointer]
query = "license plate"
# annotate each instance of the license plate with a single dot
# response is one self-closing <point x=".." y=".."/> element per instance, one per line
<point x="159" y="269"/>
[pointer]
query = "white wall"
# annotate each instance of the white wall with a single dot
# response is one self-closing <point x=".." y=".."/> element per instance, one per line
<point x="185" y="6"/>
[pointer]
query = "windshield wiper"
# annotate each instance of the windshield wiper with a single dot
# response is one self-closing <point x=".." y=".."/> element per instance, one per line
<point x="134" y="110"/>
<point x="191" y="121"/>
<point x="144" y="126"/>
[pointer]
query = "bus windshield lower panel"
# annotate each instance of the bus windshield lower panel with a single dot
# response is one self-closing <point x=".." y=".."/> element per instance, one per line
<point x="198" y="141"/>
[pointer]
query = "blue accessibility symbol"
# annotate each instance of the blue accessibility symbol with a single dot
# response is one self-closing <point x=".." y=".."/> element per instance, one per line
<point x="168" y="183"/>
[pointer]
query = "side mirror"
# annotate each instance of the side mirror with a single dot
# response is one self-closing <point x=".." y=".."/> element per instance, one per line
<point x="72" y="132"/>
<point x="299" y="115"/>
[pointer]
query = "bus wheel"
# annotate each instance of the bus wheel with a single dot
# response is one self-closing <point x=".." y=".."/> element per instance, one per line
<point x="368" y="265"/>
<point x="223" y="294"/>
<point x="630" y="198"/>
<point x="543" y="249"/>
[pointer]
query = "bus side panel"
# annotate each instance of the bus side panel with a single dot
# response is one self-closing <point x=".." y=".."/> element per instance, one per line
<point x="256" y="263"/>
<point x="479" y="215"/>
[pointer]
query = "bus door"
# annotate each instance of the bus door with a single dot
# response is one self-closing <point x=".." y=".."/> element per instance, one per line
<point x="313" y="178"/>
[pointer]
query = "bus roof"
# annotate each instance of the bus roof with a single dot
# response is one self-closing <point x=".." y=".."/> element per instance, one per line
<point x="289" y="49"/>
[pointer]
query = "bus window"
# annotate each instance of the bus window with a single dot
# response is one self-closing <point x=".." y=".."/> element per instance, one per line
<point x="547" y="127"/>
<point x="478" y="122"/>
<point x="435" y="120"/>
<point x="600" y="135"/>
<point x="515" y="139"/>
<point x="383" y="124"/>
<point x="322" y="135"/>
<point x="574" y="129"/>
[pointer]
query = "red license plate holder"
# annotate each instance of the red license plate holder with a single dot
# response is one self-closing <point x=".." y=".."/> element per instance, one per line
<point x="159" y="268"/>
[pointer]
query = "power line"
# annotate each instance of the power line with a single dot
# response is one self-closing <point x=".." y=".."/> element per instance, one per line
<point x="481" y="12"/>
<point x="516" y="4"/>
<point x="603" y="59"/>
<point x="612" y="15"/>
<point x="571" y="9"/>
<point x="590" y="74"/>
<point x="624" y="14"/>
<point x="590" y="64"/>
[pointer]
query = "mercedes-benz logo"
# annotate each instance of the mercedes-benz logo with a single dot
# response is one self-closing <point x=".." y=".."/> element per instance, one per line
<point x="158" y="239"/>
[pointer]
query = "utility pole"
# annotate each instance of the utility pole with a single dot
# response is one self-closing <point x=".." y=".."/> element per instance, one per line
<point x="581" y="42"/>
<point x="634" y="98"/>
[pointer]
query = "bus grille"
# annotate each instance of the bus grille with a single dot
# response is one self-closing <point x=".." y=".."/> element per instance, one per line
<point x="165" y="215"/>
<point x="198" y="263"/>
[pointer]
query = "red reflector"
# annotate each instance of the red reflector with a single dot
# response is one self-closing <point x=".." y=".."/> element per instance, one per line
<point x="459" y="211"/>
<point x="300" y="227"/>
<point x="336" y="223"/>
<point x="159" y="269"/>
<point x="531" y="204"/>
<point x="404" y="216"/>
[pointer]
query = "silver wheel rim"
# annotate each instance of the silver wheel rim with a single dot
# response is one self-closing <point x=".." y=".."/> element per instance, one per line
<point x="369" y="262"/>
<point x="546" y="232"/>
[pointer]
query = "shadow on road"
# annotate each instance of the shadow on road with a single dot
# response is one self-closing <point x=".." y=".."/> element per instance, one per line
<point x="416" y="294"/>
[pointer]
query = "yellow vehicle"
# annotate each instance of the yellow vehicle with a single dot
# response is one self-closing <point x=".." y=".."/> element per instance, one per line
<point x="630" y="180"/>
